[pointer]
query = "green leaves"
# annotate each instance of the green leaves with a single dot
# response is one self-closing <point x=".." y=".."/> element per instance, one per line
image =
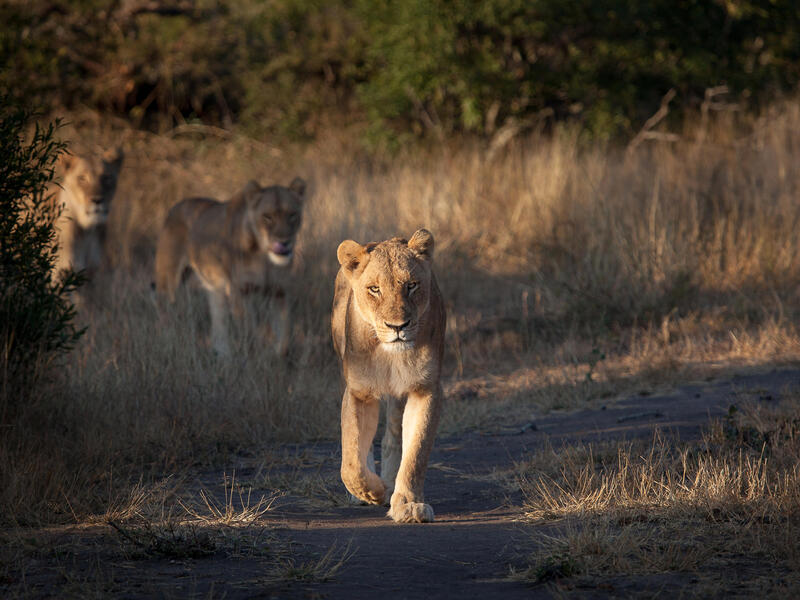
<point x="35" y="311"/>
<point x="407" y="67"/>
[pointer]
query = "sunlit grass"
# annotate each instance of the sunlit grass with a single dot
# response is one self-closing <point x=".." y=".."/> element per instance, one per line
<point x="237" y="507"/>
<point x="643" y="509"/>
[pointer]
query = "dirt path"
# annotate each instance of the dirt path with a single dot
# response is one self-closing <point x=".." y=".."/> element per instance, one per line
<point x="467" y="553"/>
<point x="476" y="539"/>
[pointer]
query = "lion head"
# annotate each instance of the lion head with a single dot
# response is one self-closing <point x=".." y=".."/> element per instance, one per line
<point x="89" y="183"/>
<point x="275" y="214"/>
<point x="391" y="283"/>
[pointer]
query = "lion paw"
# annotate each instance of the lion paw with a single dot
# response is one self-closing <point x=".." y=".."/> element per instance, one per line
<point x="364" y="495"/>
<point x="356" y="501"/>
<point x="411" y="512"/>
<point x="370" y="498"/>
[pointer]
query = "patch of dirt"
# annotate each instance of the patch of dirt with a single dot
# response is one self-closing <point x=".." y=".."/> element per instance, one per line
<point x="294" y="550"/>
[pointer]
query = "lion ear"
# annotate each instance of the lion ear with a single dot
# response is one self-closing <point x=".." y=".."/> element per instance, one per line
<point x="352" y="256"/>
<point x="422" y="243"/>
<point x="114" y="157"/>
<point x="298" y="187"/>
<point x="250" y="191"/>
<point x="66" y="160"/>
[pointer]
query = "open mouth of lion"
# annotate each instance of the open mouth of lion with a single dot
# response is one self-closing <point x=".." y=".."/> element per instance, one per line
<point x="280" y="253"/>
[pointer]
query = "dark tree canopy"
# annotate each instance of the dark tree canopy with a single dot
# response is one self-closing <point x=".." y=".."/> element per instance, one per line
<point x="403" y="67"/>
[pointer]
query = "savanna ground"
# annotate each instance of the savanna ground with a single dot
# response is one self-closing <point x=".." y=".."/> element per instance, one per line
<point x="580" y="282"/>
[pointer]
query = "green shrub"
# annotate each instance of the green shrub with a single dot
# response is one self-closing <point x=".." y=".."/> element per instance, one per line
<point x="406" y="67"/>
<point x="468" y="65"/>
<point x="36" y="315"/>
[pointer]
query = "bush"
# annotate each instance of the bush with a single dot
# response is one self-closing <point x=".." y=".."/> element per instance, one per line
<point x="469" y="65"/>
<point x="404" y="66"/>
<point x="36" y="315"/>
<point x="272" y="67"/>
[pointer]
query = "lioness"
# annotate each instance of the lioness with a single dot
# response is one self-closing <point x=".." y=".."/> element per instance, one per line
<point x="233" y="247"/>
<point x="388" y="327"/>
<point x="88" y="185"/>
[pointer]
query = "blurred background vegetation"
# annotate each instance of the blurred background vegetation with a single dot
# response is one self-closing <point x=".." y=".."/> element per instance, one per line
<point x="396" y="70"/>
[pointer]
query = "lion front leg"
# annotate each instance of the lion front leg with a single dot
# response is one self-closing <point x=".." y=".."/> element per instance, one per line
<point x="281" y="323"/>
<point x="420" y="420"/>
<point x="218" y="308"/>
<point x="359" y="424"/>
<point x="371" y="467"/>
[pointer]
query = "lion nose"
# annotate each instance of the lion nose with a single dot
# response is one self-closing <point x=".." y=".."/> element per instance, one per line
<point x="397" y="328"/>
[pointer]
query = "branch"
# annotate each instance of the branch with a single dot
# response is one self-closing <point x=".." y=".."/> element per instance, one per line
<point x="645" y="132"/>
<point x="167" y="8"/>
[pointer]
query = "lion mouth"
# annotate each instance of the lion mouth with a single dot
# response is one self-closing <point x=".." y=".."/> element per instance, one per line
<point x="281" y="248"/>
<point x="283" y="258"/>
<point x="97" y="216"/>
<point x="398" y="345"/>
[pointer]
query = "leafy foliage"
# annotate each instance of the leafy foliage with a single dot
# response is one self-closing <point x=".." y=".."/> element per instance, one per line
<point x="36" y="316"/>
<point x="406" y="66"/>
<point x="470" y="64"/>
<point x="271" y="66"/>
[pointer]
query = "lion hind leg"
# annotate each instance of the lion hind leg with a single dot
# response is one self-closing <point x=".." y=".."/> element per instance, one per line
<point x="420" y="420"/>
<point x="392" y="443"/>
<point x="359" y="424"/>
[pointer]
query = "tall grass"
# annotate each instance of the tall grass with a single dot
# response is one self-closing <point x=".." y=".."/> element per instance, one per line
<point x="568" y="272"/>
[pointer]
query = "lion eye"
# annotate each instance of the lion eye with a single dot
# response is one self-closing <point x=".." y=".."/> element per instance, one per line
<point x="412" y="285"/>
<point x="374" y="289"/>
<point x="268" y="218"/>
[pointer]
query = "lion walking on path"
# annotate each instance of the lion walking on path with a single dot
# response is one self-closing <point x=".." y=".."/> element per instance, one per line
<point x="388" y="326"/>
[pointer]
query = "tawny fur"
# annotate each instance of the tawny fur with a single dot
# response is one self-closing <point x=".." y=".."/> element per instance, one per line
<point x="388" y="326"/>
<point x="234" y="247"/>
<point x="88" y="185"/>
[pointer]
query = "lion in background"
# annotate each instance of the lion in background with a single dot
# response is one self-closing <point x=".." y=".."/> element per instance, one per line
<point x="88" y="186"/>
<point x="234" y="248"/>
<point x="388" y="326"/>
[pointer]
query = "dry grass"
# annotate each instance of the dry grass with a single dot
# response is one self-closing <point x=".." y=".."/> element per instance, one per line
<point x="174" y="520"/>
<point x="236" y="508"/>
<point x="570" y="274"/>
<point x="322" y="569"/>
<point x="199" y="524"/>
<point x="314" y="487"/>
<point x="170" y="522"/>
<point x="730" y="504"/>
